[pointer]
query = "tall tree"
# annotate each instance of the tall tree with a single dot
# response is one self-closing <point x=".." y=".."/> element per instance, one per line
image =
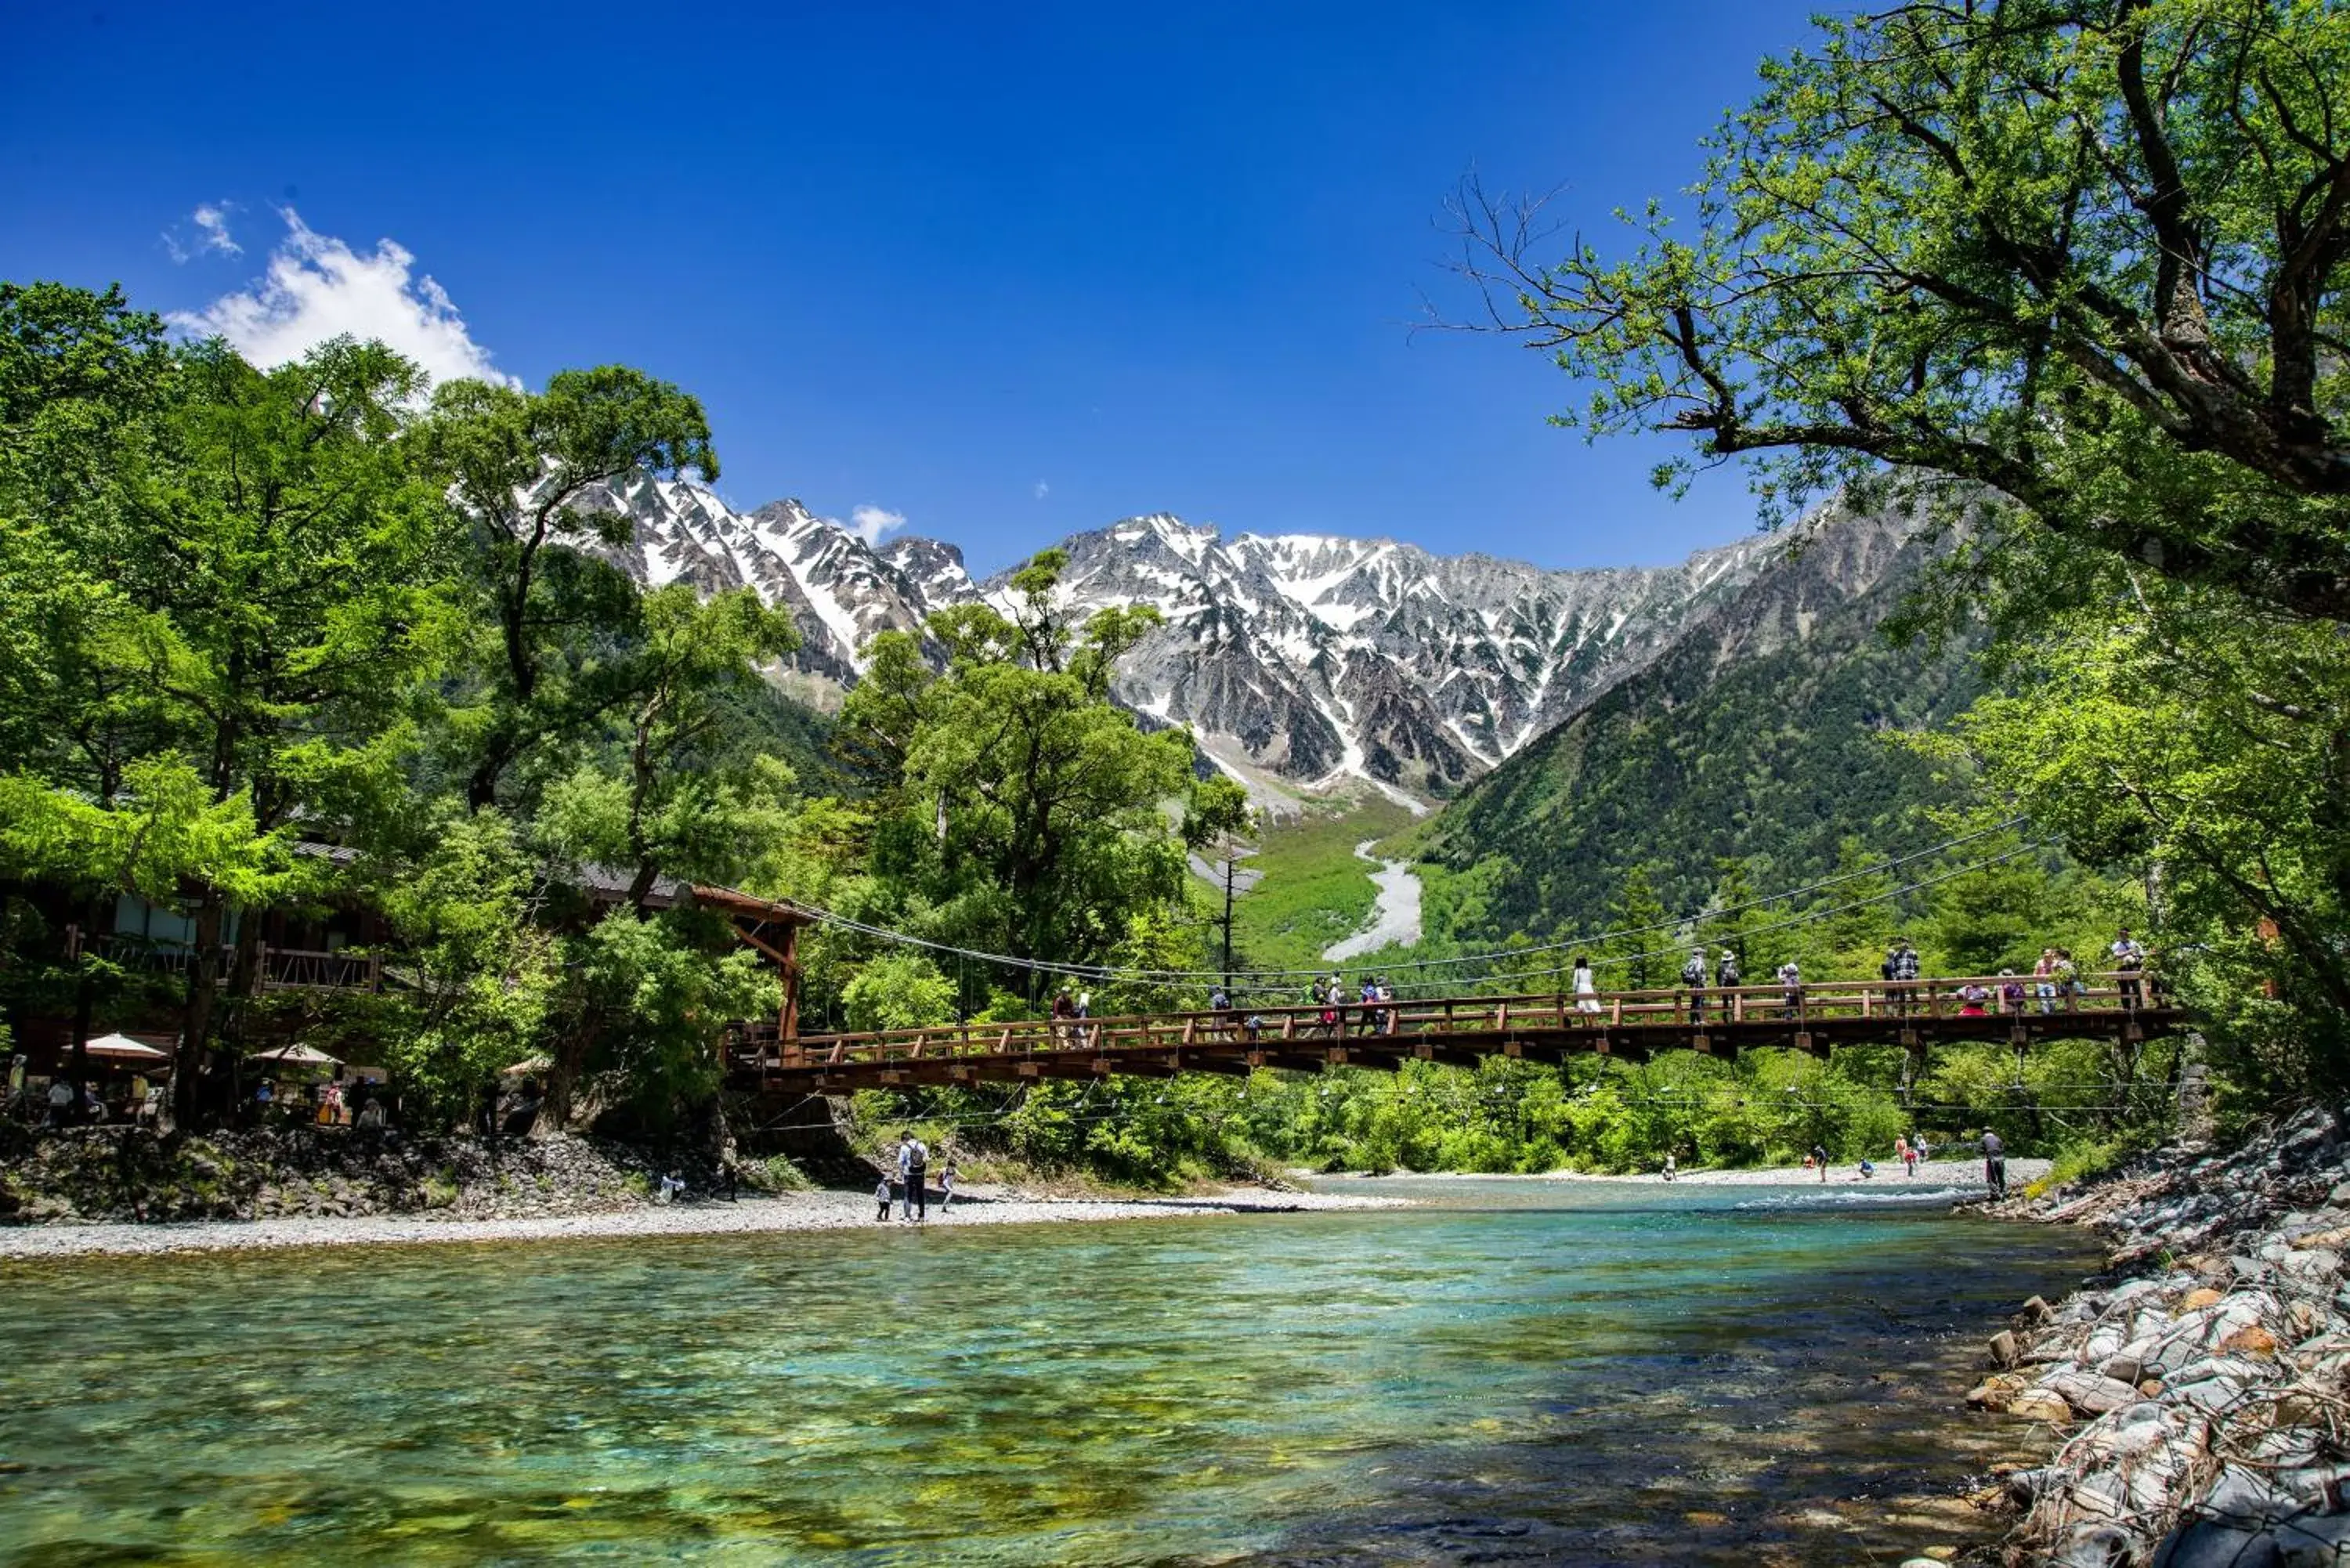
<point x="532" y="471"/>
<point x="2088" y="253"/>
<point x="1022" y="805"/>
<point x="301" y="568"/>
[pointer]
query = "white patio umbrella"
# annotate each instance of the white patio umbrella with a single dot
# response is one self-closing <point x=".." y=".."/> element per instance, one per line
<point x="299" y="1055"/>
<point x="122" y="1048"/>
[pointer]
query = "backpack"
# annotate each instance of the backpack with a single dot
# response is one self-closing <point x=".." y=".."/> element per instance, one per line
<point x="1693" y="973"/>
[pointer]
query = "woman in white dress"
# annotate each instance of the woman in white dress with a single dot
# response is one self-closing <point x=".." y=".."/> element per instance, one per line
<point x="1586" y="995"/>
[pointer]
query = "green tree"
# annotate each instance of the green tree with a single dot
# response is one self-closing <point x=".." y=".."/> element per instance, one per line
<point x="1641" y="954"/>
<point x="2206" y="739"/>
<point x="2088" y="253"/>
<point x="1021" y="807"/>
<point x="534" y="472"/>
<point x="480" y="972"/>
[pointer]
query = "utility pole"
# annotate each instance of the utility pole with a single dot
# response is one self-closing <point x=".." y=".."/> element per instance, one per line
<point x="1228" y="922"/>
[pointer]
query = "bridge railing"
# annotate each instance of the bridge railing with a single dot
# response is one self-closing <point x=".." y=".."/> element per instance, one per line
<point x="1682" y="1010"/>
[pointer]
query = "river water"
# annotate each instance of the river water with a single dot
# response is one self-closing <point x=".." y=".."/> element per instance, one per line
<point x="1519" y="1372"/>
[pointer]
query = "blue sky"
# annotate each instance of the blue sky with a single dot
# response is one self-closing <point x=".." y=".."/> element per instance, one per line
<point x="1004" y="279"/>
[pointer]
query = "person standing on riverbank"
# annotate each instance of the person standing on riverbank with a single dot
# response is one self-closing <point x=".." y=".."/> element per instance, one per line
<point x="913" y="1169"/>
<point x="946" y="1185"/>
<point x="1994" y="1164"/>
<point x="1820" y="1158"/>
<point x="881" y="1196"/>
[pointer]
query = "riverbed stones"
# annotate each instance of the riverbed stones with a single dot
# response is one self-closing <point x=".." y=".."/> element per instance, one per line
<point x="2090" y="1392"/>
<point x="2212" y="1395"/>
<point x="2033" y="1403"/>
<point x="2002" y="1348"/>
<point x="1993" y="1392"/>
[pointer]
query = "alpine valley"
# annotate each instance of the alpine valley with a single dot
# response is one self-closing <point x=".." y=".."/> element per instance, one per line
<point x="1303" y="663"/>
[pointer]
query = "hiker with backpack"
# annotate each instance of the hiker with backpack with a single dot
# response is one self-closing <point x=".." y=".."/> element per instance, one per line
<point x="1693" y="981"/>
<point x="913" y="1169"/>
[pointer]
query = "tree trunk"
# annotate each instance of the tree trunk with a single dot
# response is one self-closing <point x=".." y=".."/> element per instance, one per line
<point x="196" y="1018"/>
<point x="78" y="935"/>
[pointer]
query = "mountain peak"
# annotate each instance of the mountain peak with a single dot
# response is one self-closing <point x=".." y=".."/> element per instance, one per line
<point x="1301" y="659"/>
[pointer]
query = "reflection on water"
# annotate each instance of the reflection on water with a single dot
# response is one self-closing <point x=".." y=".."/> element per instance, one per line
<point x="1526" y="1372"/>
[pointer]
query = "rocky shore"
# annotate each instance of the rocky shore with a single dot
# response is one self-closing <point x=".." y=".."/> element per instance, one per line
<point x="2202" y="1386"/>
<point x="753" y="1215"/>
<point x="116" y="1173"/>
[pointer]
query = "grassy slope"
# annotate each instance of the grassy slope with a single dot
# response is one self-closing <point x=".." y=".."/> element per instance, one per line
<point x="1314" y="892"/>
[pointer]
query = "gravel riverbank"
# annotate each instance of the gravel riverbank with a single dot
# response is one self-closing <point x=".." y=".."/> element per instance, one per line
<point x="2202" y="1386"/>
<point x="753" y="1215"/>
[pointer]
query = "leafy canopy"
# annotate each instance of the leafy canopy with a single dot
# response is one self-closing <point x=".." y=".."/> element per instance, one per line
<point x="2090" y="254"/>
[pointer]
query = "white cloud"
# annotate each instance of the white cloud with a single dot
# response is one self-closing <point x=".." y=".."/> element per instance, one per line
<point x="1043" y="489"/>
<point x="872" y="524"/>
<point x="213" y="219"/>
<point x="318" y="287"/>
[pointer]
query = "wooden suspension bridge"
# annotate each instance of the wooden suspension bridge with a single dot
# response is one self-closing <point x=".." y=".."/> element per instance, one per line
<point x="771" y="1059"/>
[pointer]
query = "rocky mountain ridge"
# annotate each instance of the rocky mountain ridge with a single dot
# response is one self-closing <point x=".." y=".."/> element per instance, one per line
<point x="1300" y="660"/>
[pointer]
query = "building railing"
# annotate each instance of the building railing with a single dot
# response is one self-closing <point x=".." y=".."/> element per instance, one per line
<point x="281" y="968"/>
<point x="2106" y="998"/>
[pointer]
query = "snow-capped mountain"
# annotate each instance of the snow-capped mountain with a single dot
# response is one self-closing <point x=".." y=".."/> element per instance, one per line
<point x="1298" y="659"/>
<point x="1317" y="657"/>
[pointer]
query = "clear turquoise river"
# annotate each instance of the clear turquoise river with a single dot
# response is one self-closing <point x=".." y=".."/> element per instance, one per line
<point x="1519" y="1372"/>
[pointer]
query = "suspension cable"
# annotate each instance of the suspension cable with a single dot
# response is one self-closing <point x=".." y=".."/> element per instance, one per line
<point x="1106" y="973"/>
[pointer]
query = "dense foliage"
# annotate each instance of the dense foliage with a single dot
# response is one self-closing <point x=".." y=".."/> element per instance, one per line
<point x="282" y="641"/>
<point x="2073" y="273"/>
<point x="293" y="638"/>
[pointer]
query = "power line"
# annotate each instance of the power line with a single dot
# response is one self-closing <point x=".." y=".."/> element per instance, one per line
<point x="1106" y="973"/>
<point x="1804" y="919"/>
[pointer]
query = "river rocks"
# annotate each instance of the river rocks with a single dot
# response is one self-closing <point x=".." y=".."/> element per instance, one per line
<point x="127" y="1173"/>
<point x="2033" y="1403"/>
<point x="1994" y="1392"/>
<point x="2089" y="1392"/>
<point x="2205" y="1391"/>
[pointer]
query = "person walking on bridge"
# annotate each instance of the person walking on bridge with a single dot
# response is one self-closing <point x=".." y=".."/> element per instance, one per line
<point x="1900" y="972"/>
<point x="2129" y="960"/>
<point x="1791" y="986"/>
<point x="914" y="1170"/>
<point x="1586" y="994"/>
<point x="1693" y="981"/>
<point x="1727" y="979"/>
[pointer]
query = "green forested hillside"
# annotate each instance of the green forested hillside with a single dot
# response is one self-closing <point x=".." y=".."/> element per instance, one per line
<point x="1764" y="733"/>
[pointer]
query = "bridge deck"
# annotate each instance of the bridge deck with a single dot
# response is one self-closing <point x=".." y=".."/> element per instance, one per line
<point x="1458" y="1030"/>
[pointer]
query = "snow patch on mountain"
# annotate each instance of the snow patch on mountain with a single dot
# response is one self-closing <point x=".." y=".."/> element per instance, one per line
<point x="1314" y="659"/>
